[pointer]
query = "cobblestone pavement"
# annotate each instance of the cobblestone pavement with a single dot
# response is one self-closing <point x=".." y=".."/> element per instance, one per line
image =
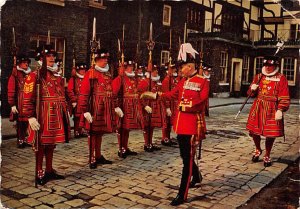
<point x="150" y="180"/>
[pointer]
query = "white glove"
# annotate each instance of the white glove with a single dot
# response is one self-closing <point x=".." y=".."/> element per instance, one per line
<point x="74" y="104"/>
<point x="34" y="124"/>
<point x="88" y="117"/>
<point x="119" y="112"/>
<point x="254" y="87"/>
<point x="14" y="110"/>
<point x="169" y="112"/>
<point x="148" y="109"/>
<point x="278" y="115"/>
<point x="148" y="95"/>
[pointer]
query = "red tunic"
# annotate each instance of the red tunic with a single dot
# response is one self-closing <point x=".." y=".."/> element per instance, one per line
<point x="102" y="109"/>
<point x="132" y="109"/>
<point x="54" y="120"/>
<point x="158" y="115"/>
<point x="73" y="93"/>
<point x="191" y="94"/>
<point x="272" y="95"/>
<point x="168" y="86"/>
<point x="15" y="92"/>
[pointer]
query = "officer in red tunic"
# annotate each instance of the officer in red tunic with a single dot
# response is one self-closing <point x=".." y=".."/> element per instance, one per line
<point x="153" y="111"/>
<point x="98" y="118"/>
<point x="16" y="95"/>
<point x="126" y="86"/>
<point x="191" y="93"/>
<point x="271" y="92"/>
<point x="53" y="125"/>
<point x="170" y="82"/>
<point x="73" y="95"/>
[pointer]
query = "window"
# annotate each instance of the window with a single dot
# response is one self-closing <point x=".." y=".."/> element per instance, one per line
<point x="57" y="42"/>
<point x="295" y="32"/>
<point x="288" y="67"/>
<point x="56" y="2"/>
<point x="245" y="72"/>
<point x="97" y="4"/>
<point x="258" y="65"/>
<point x="223" y="66"/>
<point x="167" y="15"/>
<point x="164" y="58"/>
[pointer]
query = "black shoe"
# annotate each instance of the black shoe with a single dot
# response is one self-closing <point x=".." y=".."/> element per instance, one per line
<point x="76" y="135"/>
<point x="103" y="161"/>
<point x="267" y="161"/>
<point x="174" y="141"/>
<point x="21" y="145"/>
<point x="155" y="148"/>
<point x="196" y="180"/>
<point x="41" y="181"/>
<point x="177" y="200"/>
<point x="53" y="175"/>
<point x="130" y="152"/>
<point x="148" y="148"/>
<point x="93" y="165"/>
<point x="255" y="157"/>
<point x="122" y="153"/>
<point x="166" y="142"/>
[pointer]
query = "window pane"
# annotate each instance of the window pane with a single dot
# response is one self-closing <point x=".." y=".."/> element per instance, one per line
<point x="259" y="64"/>
<point x="288" y="68"/>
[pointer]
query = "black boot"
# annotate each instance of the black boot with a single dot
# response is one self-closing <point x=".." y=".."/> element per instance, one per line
<point x="93" y="165"/>
<point x="177" y="200"/>
<point x="196" y="180"/>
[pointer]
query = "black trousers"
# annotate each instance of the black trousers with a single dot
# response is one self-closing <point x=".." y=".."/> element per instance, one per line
<point x="190" y="169"/>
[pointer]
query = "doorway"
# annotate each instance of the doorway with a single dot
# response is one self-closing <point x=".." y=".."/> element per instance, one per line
<point x="236" y="77"/>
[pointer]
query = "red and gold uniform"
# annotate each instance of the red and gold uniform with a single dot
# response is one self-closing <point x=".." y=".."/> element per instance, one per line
<point x="54" y="118"/>
<point x="191" y="94"/>
<point x="266" y="114"/>
<point x="103" y="101"/>
<point x="130" y="104"/>
<point x="53" y="122"/>
<point x="15" y="98"/>
<point x="73" y="90"/>
<point x="273" y="95"/>
<point x="158" y="115"/>
<point x="96" y="88"/>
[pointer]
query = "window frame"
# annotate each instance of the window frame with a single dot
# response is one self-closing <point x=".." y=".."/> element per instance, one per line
<point x="245" y="68"/>
<point x="225" y="67"/>
<point x="162" y="57"/>
<point x="55" y="2"/>
<point x="168" y="22"/>
<point x="294" y="61"/>
<point x="97" y="4"/>
<point x="255" y="65"/>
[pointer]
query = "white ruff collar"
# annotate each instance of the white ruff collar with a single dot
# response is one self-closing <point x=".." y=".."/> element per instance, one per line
<point x="23" y="70"/>
<point x="206" y="76"/>
<point x="156" y="78"/>
<point x="79" y="75"/>
<point x="101" y="69"/>
<point x="130" y="75"/>
<point x="263" y="70"/>
<point x="140" y="74"/>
